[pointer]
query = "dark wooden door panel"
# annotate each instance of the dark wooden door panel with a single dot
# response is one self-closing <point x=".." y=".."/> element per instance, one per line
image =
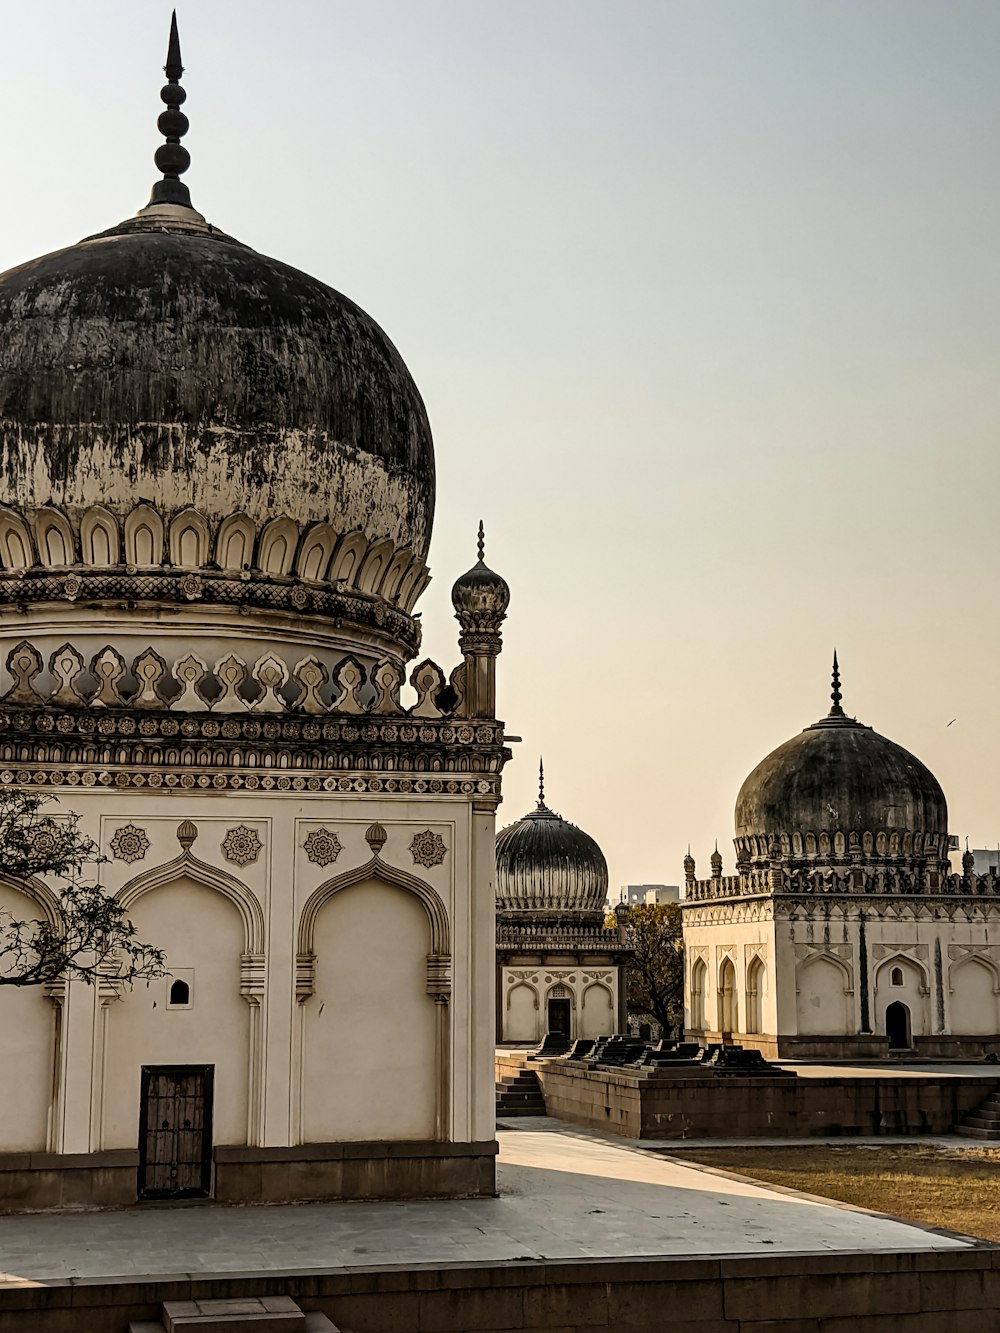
<point x="175" y="1131"/>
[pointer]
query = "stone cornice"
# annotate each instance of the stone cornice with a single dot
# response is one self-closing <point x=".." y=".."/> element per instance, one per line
<point x="45" y="747"/>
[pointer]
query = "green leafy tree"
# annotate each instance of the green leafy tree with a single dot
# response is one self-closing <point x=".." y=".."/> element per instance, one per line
<point x="655" y="973"/>
<point x="90" y="938"/>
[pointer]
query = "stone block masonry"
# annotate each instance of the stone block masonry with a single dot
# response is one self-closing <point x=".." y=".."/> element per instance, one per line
<point x="947" y="1291"/>
<point x="685" y="1104"/>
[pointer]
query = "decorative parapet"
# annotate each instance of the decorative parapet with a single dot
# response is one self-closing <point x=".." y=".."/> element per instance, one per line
<point x="229" y="686"/>
<point x="538" y="935"/>
<point x="727" y="886"/>
<point x="833" y="881"/>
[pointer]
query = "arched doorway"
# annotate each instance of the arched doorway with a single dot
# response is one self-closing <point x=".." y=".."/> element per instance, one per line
<point x="727" y="997"/>
<point x="560" y="1013"/>
<point x="897" y="1026"/>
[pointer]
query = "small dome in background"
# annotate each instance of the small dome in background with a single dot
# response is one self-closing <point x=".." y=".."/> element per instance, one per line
<point x="549" y="867"/>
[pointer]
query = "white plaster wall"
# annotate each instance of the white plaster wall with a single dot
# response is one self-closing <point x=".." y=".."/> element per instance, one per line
<point x="27" y="1050"/>
<point x="597" y="1018"/>
<point x="522" y="1021"/>
<point x="369" y="1057"/>
<point x="974" y="999"/>
<point x="800" y="1000"/>
<point x="822" y="1006"/>
<point x="103" y="1043"/>
<point x="741" y="941"/>
<point x="200" y="931"/>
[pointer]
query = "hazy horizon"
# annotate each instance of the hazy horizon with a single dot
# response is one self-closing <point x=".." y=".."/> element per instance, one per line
<point x="703" y="303"/>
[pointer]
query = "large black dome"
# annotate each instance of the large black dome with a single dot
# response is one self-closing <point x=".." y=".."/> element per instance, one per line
<point x="836" y="783"/>
<point x="172" y="363"/>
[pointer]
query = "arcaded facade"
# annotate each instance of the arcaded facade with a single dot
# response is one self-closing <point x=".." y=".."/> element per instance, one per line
<point x="217" y="485"/>
<point x="843" y="932"/>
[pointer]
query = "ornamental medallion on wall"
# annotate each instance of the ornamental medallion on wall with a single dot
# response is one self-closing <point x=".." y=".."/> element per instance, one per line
<point x="129" y="843"/>
<point x="322" y="846"/>
<point x="428" y="848"/>
<point x="241" y="845"/>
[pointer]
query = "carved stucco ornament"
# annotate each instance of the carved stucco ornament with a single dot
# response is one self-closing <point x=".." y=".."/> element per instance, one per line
<point x="428" y="848"/>
<point x="376" y="837"/>
<point x="322" y="846"/>
<point x="129" y="843"/>
<point x="241" y="845"/>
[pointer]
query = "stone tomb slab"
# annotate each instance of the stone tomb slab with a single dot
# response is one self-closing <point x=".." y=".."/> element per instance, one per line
<point x="263" y="1314"/>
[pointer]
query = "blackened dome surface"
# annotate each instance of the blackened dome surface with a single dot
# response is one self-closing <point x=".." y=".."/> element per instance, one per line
<point x="546" y="864"/>
<point x="187" y="369"/>
<point x="840" y="776"/>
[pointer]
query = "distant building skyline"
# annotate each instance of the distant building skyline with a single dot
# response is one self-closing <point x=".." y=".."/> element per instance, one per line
<point x="650" y="894"/>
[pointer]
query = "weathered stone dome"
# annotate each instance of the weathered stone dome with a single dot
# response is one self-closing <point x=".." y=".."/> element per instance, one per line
<point x="839" y="786"/>
<point x="549" y="867"/>
<point x="174" y="364"/>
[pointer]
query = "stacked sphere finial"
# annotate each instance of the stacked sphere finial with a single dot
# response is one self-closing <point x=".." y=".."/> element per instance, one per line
<point x="172" y="158"/>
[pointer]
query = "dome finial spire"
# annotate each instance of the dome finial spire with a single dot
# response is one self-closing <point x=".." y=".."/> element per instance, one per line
<point x="836" y="710"/>
<point x="482" y="541"/>
<point x="171" y="157"/>
<point x="541" y="784"/>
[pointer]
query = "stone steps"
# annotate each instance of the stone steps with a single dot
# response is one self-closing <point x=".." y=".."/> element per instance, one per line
<point x="983" y="1122"/>
<point x="252" y="1314"/>
<point x="519" y="1094"/>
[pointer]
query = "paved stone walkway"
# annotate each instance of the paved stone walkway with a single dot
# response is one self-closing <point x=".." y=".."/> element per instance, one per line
<point x="563" y="1195"/>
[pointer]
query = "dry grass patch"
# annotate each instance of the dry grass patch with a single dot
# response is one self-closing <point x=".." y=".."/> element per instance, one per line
<point x="950" y="1187"/>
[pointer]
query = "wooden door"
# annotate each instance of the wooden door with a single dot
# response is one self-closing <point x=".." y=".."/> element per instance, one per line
<point x="559" y="1016"/>
<point x="175" y="1132"/>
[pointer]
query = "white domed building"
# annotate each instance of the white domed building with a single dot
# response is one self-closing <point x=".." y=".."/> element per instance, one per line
<point x="216" y="497"/>
<point x="843" y="932"/>
<point x="559" y="968"/>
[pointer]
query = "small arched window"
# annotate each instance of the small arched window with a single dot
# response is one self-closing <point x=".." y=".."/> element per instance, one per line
<point x="179" y="994"/>
<point x="896" y="976"/>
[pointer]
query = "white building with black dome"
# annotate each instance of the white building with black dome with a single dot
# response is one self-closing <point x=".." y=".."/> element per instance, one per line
<point x="216" y="497"/>
<point x="559" y="967"/>
<point x="843" y="931"/>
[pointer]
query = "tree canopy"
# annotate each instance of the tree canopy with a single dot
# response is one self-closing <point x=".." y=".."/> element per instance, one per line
<point x="655" y="973"/>
<point x="89" y="936"/>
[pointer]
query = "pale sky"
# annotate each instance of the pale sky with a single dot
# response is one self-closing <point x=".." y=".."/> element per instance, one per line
<point x="703" y="299"/>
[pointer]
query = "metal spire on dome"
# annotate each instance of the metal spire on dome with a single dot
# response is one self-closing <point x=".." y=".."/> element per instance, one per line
<point x="541" y="779"/>
<point x="836" y="710"/>
<point x="171" y="157"/>
<point x="482" y="541"/>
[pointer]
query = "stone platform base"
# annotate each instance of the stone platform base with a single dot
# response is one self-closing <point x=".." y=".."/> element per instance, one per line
<point x="315" y="1172"/>
<point x="949" y="1291"/>
<point x="860" y="1046"/>
<point x="688" y="1103"/>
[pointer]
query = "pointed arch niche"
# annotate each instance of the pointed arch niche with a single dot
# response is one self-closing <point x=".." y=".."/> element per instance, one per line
<point x="211" y="927"/>
<point x="30" y="1035"/>
<point x="373" y="984"/>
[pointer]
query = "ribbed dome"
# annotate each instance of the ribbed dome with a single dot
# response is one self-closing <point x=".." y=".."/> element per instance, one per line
<point x="838" y="777"/>
<point x="548" y="866"/>
<point x="171" y="363"/>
